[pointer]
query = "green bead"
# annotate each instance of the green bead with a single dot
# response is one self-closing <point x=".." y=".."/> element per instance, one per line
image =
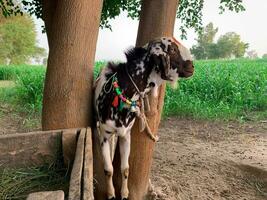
<point x="121" y="106"/>
<point x="119" y="92"/>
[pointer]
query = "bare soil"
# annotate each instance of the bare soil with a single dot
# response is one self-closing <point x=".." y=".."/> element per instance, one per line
<point x="198" y="160"/>
<point x="16" y="123"/>
<point x="210" y="160"/>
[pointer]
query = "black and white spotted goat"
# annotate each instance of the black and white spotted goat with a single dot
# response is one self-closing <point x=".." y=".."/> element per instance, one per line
<point x="118" y="91"/>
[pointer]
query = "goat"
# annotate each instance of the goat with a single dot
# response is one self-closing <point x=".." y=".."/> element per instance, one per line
<point x="118" y="91"/>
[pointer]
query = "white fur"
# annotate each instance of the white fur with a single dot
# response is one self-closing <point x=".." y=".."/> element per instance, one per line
<point x="155" y="77"/>
<point x="99" y="82"/>
<point x="185" y="53"/>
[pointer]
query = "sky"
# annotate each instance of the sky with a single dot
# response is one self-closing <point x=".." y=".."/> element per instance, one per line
<point x="250" y="25"/>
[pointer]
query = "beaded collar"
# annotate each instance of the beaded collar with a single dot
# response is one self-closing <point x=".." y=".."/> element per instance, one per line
<point x="124" y="101"/>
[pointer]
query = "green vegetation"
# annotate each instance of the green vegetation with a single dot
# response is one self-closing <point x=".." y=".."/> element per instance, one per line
<point x="18" y="40"/>
<point x="27" y="93"/>
<point x="230" y="89"/>
<point x="219" y="89"/>
<point x="227" y="46"/>
<point x="18" y="183"/>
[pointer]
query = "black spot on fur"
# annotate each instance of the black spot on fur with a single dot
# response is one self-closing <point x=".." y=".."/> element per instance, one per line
<point x="135" y="53"/>
<point x="152" y="84"/>
<point x="105" y="139"/>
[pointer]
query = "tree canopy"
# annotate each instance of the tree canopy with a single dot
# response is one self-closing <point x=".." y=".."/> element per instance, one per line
<point x="18" y="40"/>
<point x="189" y="11"/>
<point x="228" y="45"/>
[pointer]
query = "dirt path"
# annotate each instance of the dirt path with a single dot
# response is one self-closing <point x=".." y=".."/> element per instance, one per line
<point x="199" y="160"/>
<point x="210" y="160"/>
<point x="15" y="123"/>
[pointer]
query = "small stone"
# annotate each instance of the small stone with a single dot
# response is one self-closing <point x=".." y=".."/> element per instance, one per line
<point x="47" y="195"/>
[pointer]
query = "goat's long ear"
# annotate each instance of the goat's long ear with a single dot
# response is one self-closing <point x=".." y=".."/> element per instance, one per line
<point x="163" y="64"/>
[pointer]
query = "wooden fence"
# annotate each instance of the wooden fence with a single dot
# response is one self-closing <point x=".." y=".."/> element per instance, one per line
<point x="74" y="146"/>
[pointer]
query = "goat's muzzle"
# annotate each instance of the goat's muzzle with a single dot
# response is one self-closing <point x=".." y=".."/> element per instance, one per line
<point x="187" y="70"/>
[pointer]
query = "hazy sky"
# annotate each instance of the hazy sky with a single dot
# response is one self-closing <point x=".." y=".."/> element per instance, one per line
<point x="249" y="24"/>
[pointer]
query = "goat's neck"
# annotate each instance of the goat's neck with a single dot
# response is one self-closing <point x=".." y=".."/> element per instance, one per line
<point x="145" y="76"/>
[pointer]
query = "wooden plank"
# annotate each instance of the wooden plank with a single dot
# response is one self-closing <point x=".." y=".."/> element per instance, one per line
<point x="88" y="189"/>
<point x="30" y="149"/>
<point x="69" y="142"/>
<point x="98" y="168"/>
<point x="47" y="195"/>
<point x="76" y="173"/>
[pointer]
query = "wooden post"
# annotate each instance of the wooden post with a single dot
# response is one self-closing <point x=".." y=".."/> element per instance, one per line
<point x="81" y="180"/>
<point x="157" y="20"/>
<point x="77" y="169"/>
<point x="69" y="143"/>
<point x="88" y="188"/>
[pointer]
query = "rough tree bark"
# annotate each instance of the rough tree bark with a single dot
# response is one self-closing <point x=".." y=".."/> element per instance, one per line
<point x="157" y="19"/>
<point x="72" y="35"/>
<point x="48" y="8"/>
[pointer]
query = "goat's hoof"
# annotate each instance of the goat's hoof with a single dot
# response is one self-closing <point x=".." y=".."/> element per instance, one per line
<point x="125" y="199"/>
<point x="112" y="198"/>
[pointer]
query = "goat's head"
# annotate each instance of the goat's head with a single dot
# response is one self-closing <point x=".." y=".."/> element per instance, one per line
<point x="171" y="58"/>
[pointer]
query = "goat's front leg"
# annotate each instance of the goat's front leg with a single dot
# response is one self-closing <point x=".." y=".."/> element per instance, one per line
<point x="108" y="168"/>
<point x="125" y="143"/>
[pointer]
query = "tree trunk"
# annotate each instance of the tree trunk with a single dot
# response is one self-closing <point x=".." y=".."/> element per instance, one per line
<point x="157" y="20"/>
<point x="72" y="36"/>
<point x="49" y="8"/>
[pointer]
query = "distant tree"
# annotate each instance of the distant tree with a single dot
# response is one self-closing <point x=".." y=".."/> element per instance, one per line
<point x="213" y="51"/>
<point x="18" y="40"/>
<point x="204" y="42"/>
<point x="228" y="45"/>
<point x="208" y="34"/>
<point x="40" y="54"/>
<point x="264" y="55"/>
<point x="252" y="54"/>
<point x="44" y="61"/>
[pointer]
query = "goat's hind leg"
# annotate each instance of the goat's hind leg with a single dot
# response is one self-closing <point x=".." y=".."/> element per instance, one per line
<point x="108" y="168"/>
<point x="125" y="143"/>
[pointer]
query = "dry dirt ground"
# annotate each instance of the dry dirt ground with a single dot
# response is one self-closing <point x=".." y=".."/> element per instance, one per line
<point x="200" y="160"/>
<point x="12" y="123"/>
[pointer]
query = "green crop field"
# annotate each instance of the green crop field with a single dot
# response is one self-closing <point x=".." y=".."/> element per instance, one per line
<point x="219" y="89"/>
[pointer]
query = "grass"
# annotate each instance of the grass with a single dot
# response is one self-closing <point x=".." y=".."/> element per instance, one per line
<point x="27" y="93"/>
<point x="219" y="89"/>
<point x="18" y="183"/>
<point x="235" y="89"/>
<point x="11" y="72"/>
